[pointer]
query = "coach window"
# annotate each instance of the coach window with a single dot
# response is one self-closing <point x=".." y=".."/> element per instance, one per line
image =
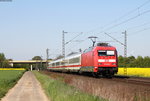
<point x="57" y="63"/>
<point x="74" y="60"/>
<point x="50" y="65"/>
<point x="53" y="64"/>
<point x="64" y="62"/>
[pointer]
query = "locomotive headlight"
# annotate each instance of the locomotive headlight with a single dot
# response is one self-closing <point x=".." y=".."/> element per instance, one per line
<point x="99" y="63"/>
<point x="96" y="67"/>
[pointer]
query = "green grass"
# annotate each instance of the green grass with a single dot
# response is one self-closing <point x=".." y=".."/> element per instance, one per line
<point x="8" y="79"/>
<point x="59" y="91"/>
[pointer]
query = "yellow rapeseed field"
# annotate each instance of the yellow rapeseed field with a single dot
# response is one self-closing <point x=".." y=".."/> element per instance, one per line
<point x="12" y="68"/>
<point x="141" y="72"/>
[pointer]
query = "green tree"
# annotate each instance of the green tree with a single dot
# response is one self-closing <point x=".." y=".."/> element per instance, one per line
<point x="146" y="61"/>
<point x="37" y="58"/>
<point x="121" y="61"/>
<point x="3" y="61"/>
<point x="38" y="65"/>
<point x="6" y="63"/>
<point x="139" y="61"/>
<point x="131" y="61"/>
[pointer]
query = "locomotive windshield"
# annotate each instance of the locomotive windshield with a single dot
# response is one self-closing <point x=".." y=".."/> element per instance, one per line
<point x="106" y="53"/>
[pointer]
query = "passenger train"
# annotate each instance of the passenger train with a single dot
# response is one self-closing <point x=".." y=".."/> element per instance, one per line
<point x="97" y="60"/>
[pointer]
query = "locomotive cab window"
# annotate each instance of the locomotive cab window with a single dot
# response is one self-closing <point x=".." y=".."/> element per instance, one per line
<point x="106" y="53"/>
<point x="102" y="53"/>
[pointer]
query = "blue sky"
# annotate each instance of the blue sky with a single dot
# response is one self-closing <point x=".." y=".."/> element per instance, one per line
<point x="28" y="27"/>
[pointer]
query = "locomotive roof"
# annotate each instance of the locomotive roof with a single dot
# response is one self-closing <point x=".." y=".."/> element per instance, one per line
<point x="102" y="47"/>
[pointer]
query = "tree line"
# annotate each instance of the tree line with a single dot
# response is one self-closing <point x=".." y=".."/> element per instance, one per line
<point x="3" y="61"/>
<point x="131" y="61"/>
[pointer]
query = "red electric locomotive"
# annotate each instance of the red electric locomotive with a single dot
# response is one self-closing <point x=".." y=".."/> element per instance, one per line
<point x="98" y="60"/>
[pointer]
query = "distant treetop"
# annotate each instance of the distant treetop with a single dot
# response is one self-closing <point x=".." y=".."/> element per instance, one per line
<point x="37" y="58"/>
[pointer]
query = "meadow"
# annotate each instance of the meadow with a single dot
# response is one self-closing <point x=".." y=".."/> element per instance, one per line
<point x="57" y="90"/>
<point x="8" y="78"/>
<point x="140" y="72"/>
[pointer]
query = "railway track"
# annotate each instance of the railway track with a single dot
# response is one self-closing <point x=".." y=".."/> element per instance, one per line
<point x="125" y="79"/>
<point x="133" y="80"/>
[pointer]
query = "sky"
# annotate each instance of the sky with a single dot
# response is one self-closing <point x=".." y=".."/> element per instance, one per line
<point x="29" y="27"/>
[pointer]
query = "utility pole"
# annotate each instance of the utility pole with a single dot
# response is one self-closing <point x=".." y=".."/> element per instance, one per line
<point x="47" y="54"/>
<point x="47" y="57"/>
<point x="125" y="47"/>
<point x="125" y="43"/>
<point x="41" y="64"/>
<point x="63" y="43"/>
<point x="125" y="51"/>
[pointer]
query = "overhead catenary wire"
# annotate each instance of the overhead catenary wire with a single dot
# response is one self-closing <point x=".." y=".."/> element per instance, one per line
<point x="74" y="38"/>
<point x="137" y="32"/>
<point x="131" y="28"/>
<point x="117" y="20"/>
<point x="134" y="33"/>
<point x="77" y="44"/>
<point x="125" y="21"/>
<point x="123" y="16"/>
<point x="115" y="39"/>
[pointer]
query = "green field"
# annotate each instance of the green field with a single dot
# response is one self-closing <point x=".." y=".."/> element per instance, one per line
<point x="8" y="79"/>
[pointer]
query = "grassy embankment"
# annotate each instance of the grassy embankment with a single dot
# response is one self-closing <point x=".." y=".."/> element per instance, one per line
<point x="140" y="72"/>
<point x="57" y="90"/>
<point x="8" y="79"/>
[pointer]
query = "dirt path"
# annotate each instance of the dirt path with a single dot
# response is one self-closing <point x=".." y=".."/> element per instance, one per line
<point x="27" y="89"/>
